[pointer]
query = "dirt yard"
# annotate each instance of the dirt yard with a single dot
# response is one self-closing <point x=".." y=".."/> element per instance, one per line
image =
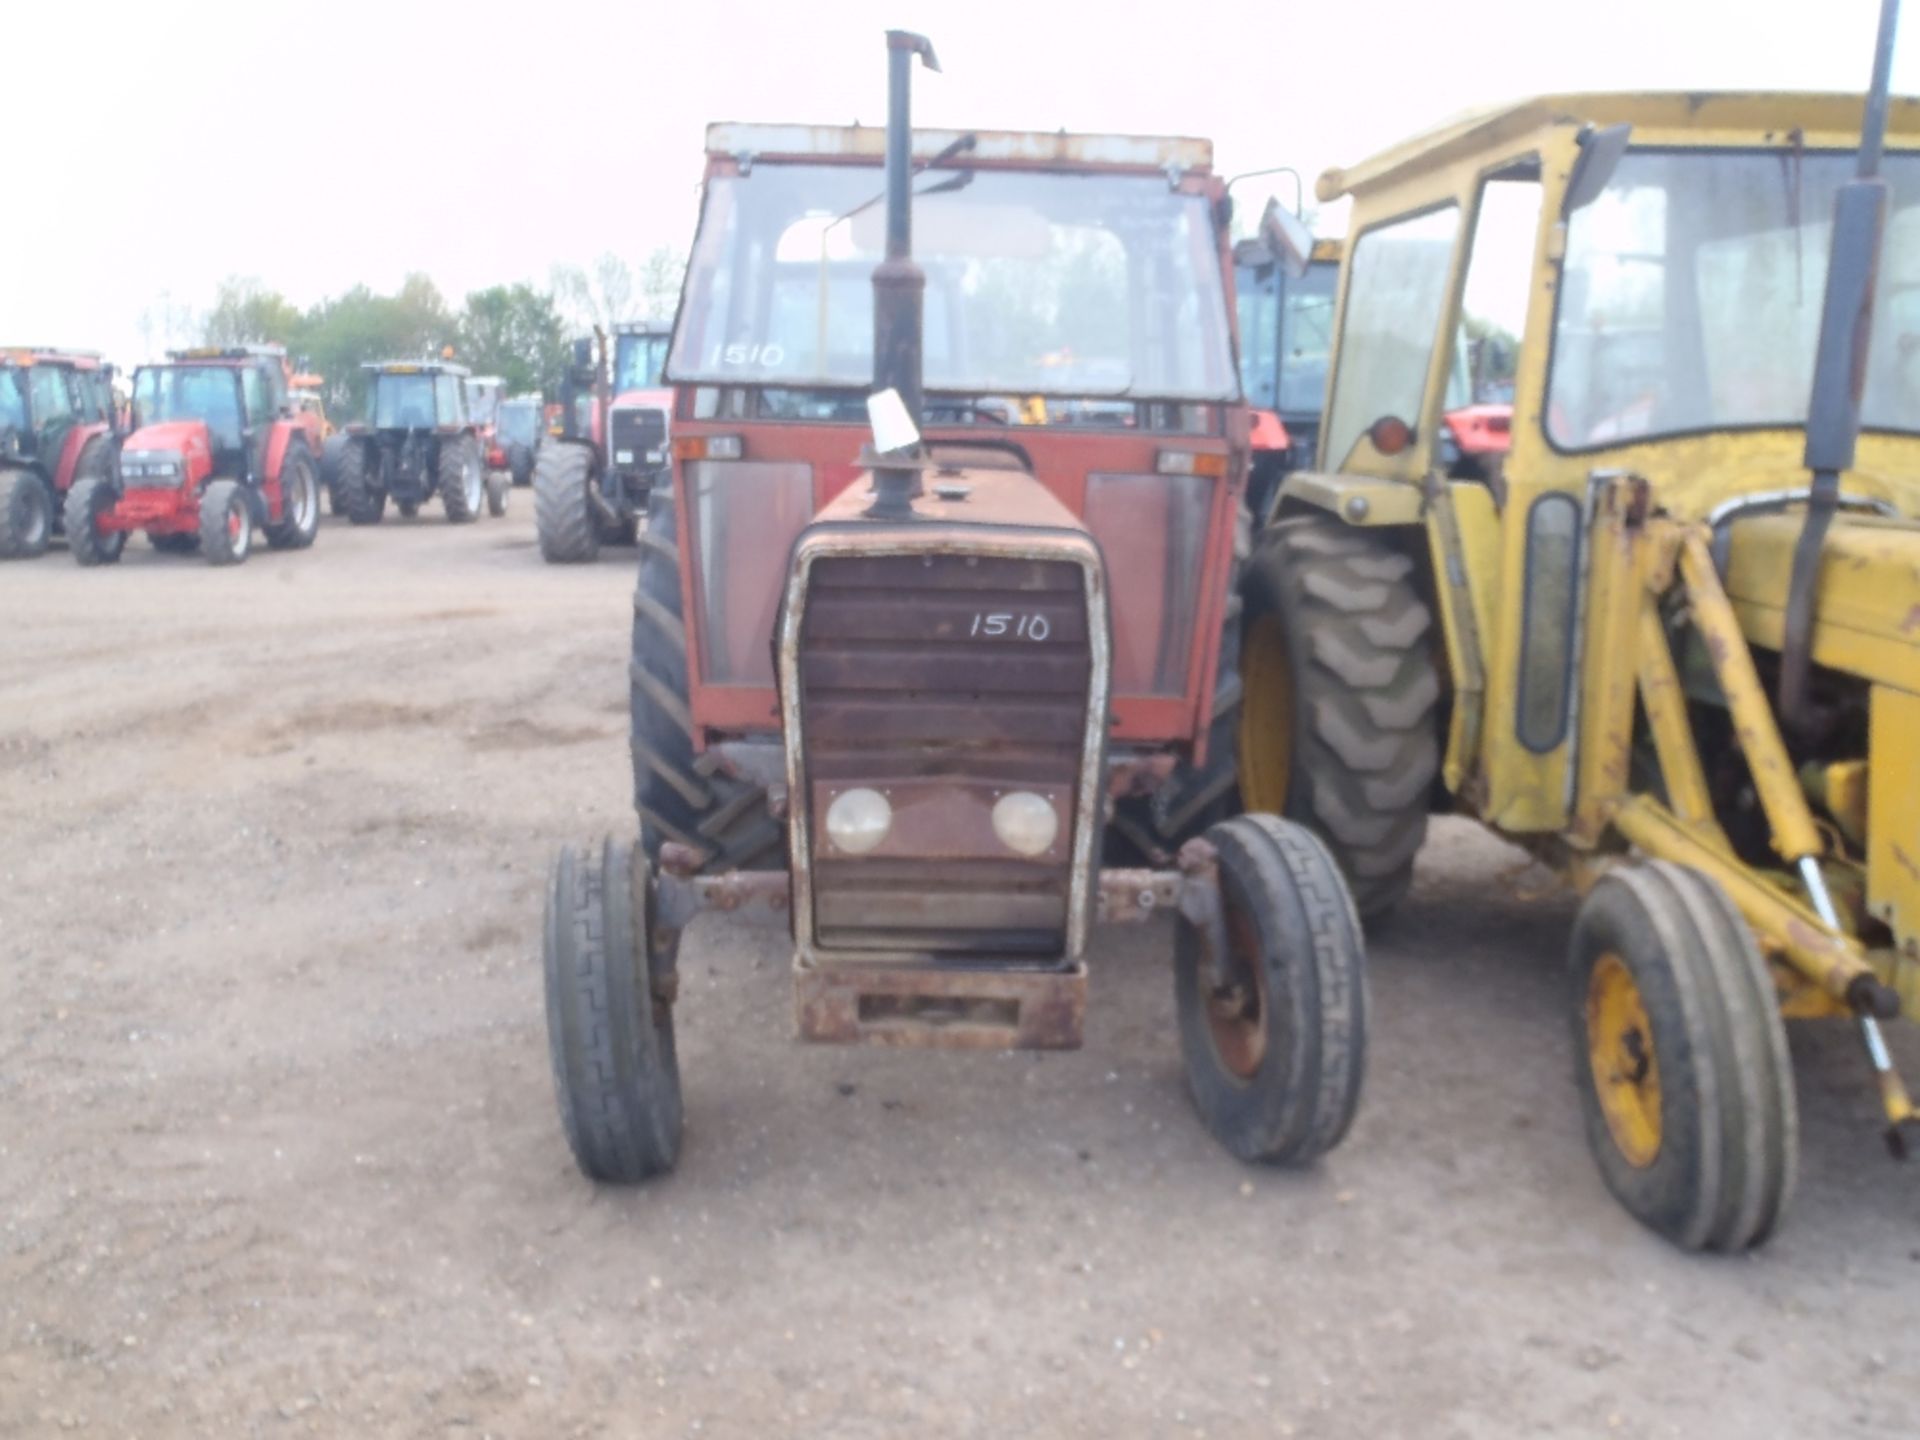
<point x="279" y="1153"/>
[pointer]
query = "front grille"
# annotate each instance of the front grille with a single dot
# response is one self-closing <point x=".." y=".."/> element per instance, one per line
<point x="634" y="432"/>
<point x="954" y="677"/>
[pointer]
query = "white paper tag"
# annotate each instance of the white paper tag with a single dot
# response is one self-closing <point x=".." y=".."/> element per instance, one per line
<point x="893" y="428"/>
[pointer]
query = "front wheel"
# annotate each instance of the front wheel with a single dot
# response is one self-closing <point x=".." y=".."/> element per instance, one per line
<point x="226" y="523"/>
<point x="1274" y="1031"/>
<point x="1685" y="1079"/>
<point x="499" y="484"/>
<point x="610" y="988"/>
<point x="26" y="515"/>
<point x="462" y="479"/>
<point x="87" y="540"/>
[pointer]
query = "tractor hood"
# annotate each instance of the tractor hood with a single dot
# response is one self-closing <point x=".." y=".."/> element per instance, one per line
<point x="1867" y="607"/>
<point x="166" y="453"/>
<point x="177" y="437"/>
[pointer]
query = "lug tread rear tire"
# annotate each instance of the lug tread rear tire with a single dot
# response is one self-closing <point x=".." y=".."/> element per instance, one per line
<point x="562" y="511"/>
<point x="356" y="484"/>
<point x="723" y="820"/>
<point x="616" y="1073"/>
<point x="1300" y="1101"/>
<point x="26" y="515"/>
<point x="1365" y="696"/>
<point x="1724" y="1170"/>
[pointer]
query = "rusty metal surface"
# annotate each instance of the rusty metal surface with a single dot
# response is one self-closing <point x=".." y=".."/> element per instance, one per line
<point x="863" y="703"/>
<point x="940" y="1008"/>
<point x="1132" y="897"/>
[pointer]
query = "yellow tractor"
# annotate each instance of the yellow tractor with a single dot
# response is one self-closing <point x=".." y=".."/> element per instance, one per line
<point x="1672" y="645"/>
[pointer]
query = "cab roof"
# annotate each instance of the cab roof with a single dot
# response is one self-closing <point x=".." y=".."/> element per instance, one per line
<point x="415" y="367"/>
<point x="229" y="352"/>
<point x="642" y="327"/>
<point x="1012" y="149"/>
<point x="1719" y="117"/>
<point x="28" y="355"/>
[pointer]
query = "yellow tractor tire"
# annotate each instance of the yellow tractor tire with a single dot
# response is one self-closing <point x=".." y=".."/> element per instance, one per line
<point x="1684" y="1075"/>
<point x="1339" y="726"/>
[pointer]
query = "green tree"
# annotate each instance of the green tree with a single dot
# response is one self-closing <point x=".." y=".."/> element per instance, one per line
<point x="515" y="332"/>
<point x="660" y="279"/>
<point x="244" y="313"/>
<point x="343" y="333"/>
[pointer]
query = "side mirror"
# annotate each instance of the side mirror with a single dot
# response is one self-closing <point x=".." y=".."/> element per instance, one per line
<point x="1286" y="238"/>
<point x="1600" y="152"/>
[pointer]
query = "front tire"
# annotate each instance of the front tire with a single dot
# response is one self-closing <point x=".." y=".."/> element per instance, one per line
<point x="1684" y="1075"/>
<point x="462" y="479"/>
<point x="359" y="488"/>
<point x="299" y="503"/>
<point x="90" y="498"/>
<point x="26" y="515"/>
<point x="609" y="984"/>
<point x="226" y="523"/>
<point x="520" y="463"/>
<point x="1276" y="1055"/>
<point x="562" y="511"/>
<point x="499" y="485"/>
<point x="1338" y="726"/>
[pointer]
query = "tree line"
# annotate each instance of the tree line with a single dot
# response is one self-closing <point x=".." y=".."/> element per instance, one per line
<point x="519" y="332"/>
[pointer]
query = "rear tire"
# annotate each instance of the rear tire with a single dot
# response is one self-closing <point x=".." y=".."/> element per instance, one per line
<point x="1684" y="1074"/>
<point x="609" y="988"/>
<point x="331" y="449"/>
<point x="1338" y="724"/>
<point x="1275" y="1059"/>
<point x="358" y="484"/>
<point x="299" y="503"/>
<point x="26" y="515"/>
<point x="680" y="797"/>
<point x="462" y="479"/>
<point x="562" y="511"/>
<point x="89" y="498"/>
<point x="226" y="523"/>
<point x="520" y="463"/>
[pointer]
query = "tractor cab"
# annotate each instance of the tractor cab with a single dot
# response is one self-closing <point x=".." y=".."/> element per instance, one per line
<point x="1286" y="332"/>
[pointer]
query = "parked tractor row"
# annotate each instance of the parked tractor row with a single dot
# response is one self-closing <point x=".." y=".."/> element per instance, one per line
<point x="975" y="607"/>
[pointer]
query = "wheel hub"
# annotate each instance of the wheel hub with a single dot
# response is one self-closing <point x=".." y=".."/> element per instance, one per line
<point x="1626" y="1071"/>
<point x="1237" y="1011"/>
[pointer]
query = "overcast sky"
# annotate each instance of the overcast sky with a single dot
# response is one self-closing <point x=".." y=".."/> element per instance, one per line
<point x="320" y="145"/>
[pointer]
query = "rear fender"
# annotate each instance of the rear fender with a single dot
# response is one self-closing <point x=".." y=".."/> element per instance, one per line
<point x="1363" y="500"/>
<point x="78" y="437"/>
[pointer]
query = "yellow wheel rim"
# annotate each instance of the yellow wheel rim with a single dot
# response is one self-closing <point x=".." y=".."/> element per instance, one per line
<point x="1626" y="1072"/>
<point x="1266" y="717"/>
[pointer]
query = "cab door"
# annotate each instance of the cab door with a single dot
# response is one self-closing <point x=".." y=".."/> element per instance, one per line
<point x="54" y="416"/>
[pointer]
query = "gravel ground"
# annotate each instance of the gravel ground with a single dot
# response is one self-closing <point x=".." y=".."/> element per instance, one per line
<point x="279" y="1153"/>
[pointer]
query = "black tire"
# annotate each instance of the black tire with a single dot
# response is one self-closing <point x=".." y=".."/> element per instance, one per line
<point x="299" y="502"/>
<point x="1152" y="827"/>
<point x="723" y="820"/>
<point x="462" y="479"/>
<point x="88" y="498"/>
<point x="1275" y="1059"/>
<point x="562" y="510"/>
<point x="26" y="515"/>
<point x="499" y="486"/>
<point x="610" y="1018"/>
<point x="226" y="523"/>
<point x="174" y="544"/>
<point x="331" y="449"/>
<point x="617" y="532"/>
<point x="96" y="462"/>
<point x="1339" y="721"/>
<point x="1705" y="1051"/>
<point x="358" y="483"/>
<point x="520" y="463"/>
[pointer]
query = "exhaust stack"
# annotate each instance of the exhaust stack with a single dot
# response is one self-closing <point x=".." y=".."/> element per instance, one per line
<point x="899" y="285"/>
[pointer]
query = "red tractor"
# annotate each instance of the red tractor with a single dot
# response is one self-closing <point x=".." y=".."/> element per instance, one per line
<point x="217" y="452"/>
<point x="590" y="485"/>
<point x="56" y="427"/>
<point x="935" y="606"/>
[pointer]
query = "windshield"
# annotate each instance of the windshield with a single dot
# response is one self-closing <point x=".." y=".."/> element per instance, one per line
<point x="1692" y="293"/>
<point x="190" y="392"/>
<point x="520" y="422"/>
<point x="1286" y="334"/>
<point x="402" y="402"/>
<point x="1037" y="284"/>
<point x="13" y="399"/>
<point x="637" y="362"/>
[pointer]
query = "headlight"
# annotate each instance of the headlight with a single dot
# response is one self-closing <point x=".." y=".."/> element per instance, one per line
<point x="150" y="465"/>
<point x="1025" y="822"/>
<point x="858" y="820"/>
<point x="623" y="457"/>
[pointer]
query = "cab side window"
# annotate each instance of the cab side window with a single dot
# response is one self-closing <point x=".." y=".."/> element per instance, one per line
<point x="86" y="385"/>
<point x="1493" y="305"/>
<point x="52" y="402"/>
<point x="450" y="399"/>
<point x="1395" y="291"/>
<point x="254" y="387"/>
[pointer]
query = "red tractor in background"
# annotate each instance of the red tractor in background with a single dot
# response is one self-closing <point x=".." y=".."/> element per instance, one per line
<point x="590" y="484"/>
<point x="516" y="436"/>
<point x="56" y="427"/>
<point x="217" y="452"/>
